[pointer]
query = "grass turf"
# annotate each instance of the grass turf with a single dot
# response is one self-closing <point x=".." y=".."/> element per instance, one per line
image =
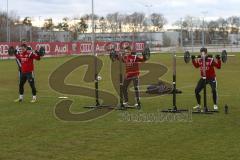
<point x="31" y="131"/>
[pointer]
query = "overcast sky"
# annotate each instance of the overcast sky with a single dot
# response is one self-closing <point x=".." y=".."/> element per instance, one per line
<point x="171" y="9"/>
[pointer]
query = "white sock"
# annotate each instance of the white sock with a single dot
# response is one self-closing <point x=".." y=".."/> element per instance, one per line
<point x="20" y="96"/>
<point x="34" y="97"/>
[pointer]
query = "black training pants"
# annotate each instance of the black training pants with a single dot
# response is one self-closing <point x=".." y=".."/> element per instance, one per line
<point x="27" y="77"/>
<point x="126" y="83"/>
<point x="200" y="86"/>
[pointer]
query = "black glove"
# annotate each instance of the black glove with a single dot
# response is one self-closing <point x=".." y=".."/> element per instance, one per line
<point x="29" y="48"/>
<point x="193" y="57"/>
<point x="218" y="57"/>
<point x="37" y="52"/>
<point x="12" y="51"/>
<point x="41" y="51"/>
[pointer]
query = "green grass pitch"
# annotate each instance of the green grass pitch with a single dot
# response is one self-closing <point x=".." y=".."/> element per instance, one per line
<point x="32" y="132"/>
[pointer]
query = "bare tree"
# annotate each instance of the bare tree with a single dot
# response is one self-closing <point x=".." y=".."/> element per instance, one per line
<point x="102" y="24"/>
<point x="190" y="23"/>
<point x="3" y="22"/>
<point x="158" y="21"/>
<point x="12" y="18"/>
<point x="112" y="19"/>
<point x="87" y="17"/>
<point x="80" y="27"/>
<point x="212" y="29"/>
<point x="138" y="20"/>
<point x="146" y="25"/>
<point x="135" y="21"/>
<point x="27" y="21"/>
<point x="233" y="21"/>
<point x="222" y="27"/>
<point x="120" y="19"/>
<point x="185" y="26"/>
<point x="63" y="26"/>
<point x="48" y="24"/>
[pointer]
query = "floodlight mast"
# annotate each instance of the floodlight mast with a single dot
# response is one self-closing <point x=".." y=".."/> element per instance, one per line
<point x="8" y="29"/>
<point x="203" y="28"/>
<point x="95" y="58"/>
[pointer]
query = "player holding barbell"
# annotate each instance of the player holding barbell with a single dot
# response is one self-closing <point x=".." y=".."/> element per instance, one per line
<point x="25" y="58"/>
<point x="132" y="71"/>
<point x="132" y="74"/>
<point x="210" y="64"/>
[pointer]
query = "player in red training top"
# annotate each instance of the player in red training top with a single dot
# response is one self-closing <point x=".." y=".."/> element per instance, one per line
<point x="132" y="74"/>
<point x="26" y="65"/>
<point x="210" y="64"/>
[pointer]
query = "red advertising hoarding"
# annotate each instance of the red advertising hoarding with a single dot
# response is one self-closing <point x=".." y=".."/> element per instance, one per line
<point x="68" y="48"/>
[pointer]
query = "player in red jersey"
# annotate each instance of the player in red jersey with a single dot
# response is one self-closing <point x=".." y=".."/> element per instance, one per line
<point x="132" y="74"/>
<point x="210" y="64"/>
<point x="26" y="58"/>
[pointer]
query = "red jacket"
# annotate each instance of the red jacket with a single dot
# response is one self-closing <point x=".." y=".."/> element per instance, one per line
<point x="26" y="61"/>
<point x="132" y="65"/>
<point x="210" y="64"/>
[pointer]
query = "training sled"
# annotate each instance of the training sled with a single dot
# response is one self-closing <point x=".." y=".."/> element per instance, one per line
<point x="205" y="111"/>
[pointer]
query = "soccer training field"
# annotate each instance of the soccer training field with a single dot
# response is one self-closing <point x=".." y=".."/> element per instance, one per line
<point x="33" y="132"/>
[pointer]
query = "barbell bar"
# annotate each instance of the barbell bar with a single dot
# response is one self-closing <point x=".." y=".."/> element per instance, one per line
<point x="224" y="56"/>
